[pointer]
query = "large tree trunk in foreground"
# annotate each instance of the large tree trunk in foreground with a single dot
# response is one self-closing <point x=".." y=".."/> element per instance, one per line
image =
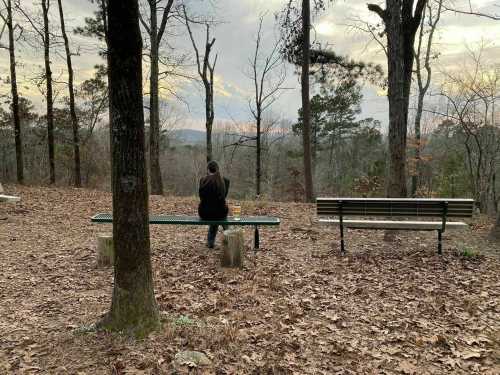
<point x="48" y="79"/>
<point x="72" y="109"/>
<point x="15" y="97"/>
<point x="306" y="106"/>
<point x="133" y="308"/>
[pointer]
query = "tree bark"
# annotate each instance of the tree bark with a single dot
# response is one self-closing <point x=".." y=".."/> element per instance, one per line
<point x="48" y="78"/>
<point x="398" y="109"/>
<point x="15" y="97"/>
<point x="306" y="106"/>
<point x="154" y="121"/>
<point x="400" y="26"/>
<point x="209" y="114"/>
<point x="258" y="166"/>
<point x="72" y="108"/>
<point x="133" y="308"/>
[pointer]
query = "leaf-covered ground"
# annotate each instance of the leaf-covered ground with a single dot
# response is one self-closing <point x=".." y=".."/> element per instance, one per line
<point x="296" y="308"/>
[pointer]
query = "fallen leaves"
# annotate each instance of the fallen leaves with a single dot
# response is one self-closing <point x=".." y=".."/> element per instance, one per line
<point x="296" y="308"/>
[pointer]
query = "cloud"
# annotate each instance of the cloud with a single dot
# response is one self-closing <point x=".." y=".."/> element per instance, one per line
<point x="235" y="41"/>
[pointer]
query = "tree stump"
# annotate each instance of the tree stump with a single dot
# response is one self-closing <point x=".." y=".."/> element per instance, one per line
<point x="105" y="250"/>
<point x="233" y="248"/>
<point x="1" y="188"/>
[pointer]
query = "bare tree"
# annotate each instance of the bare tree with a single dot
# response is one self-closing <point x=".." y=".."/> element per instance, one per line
<point x="471" y="95"/>
<point x="155" y="33"/>
<point x="206" y="72"/>
<point x="306" y="105"/>
<point x="133" y="307"/>
<point x="48" y="78"/>
<point x="268" y="75"/>
<point x="72" y="106"/>
<point x="402" y="20"/>
<point x="11" y="27"/>
<point x="44" y="34"/>
<point x="470" y="9"/>
<point x="423" y="55"/>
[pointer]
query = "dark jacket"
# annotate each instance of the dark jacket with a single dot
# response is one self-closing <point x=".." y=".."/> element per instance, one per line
<point x="213" y="204"/>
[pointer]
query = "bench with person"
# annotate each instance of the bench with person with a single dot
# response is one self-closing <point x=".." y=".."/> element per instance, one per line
<point x="254" y="221"/>
<point x="212" y="210"/>
<point x="364" y="209"/>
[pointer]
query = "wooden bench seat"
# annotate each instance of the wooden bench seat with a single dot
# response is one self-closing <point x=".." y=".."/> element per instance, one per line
<point x="254" y="221"/>
<point x="364" y="209"/>
<point x="390" y="224"/>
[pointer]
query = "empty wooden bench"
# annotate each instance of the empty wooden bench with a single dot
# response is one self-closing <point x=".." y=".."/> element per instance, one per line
<point x="254" y="221"/>
<point x="365" y="209"/>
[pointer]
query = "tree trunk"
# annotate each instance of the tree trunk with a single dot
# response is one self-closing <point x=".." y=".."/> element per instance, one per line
<point x="72" y="109"/>
<point x="258" y="158"/>
<point x="154" y="120"/>
<point x="209" y="114"/>
<point x="15" y="97"/>
<point x="396" y="182"/>
<point x="48" y="78"/>
<point x="400" y="26"/>
<point x="206" y="73"/>
<point x="314" y="156"/>
<point x="133" y="308"/>
<point x="306" y="106"/>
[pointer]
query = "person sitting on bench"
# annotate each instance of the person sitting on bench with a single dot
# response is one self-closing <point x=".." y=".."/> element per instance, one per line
<point x="213" y="192"/>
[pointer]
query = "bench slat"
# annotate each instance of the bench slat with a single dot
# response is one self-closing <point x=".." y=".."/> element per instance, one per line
<point x="398" y="205"/>
<point x="195" y="220"/>
<point x="386" y="224"/>
<point x="394" y="207"/>
<point x="323" y="212"/>
<point x="424" y="200"/>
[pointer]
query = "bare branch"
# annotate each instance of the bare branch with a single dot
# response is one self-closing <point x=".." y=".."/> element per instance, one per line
<point x="378" y="10"/>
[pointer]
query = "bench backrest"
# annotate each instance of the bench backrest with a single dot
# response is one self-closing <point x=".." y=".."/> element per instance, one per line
<point x="395" y="207"/>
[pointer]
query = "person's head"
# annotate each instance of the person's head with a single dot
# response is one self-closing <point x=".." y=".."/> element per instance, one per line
<point x="213" y="167"/>
<point x="214" y="170"/>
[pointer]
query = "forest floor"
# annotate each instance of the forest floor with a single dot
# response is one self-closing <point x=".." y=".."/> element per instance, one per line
<point x="297" y="307"/>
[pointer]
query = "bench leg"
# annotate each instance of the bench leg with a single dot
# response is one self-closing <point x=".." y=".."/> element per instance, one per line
<point x="440" y="245"/>
<point x="342" y="245"/>
<point x="256" y="238"/>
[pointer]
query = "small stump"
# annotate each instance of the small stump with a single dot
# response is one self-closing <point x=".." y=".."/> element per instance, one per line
<point x="105" y="250"/>
<point x="233" y="248"/>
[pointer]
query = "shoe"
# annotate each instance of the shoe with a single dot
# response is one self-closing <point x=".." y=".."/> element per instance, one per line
<point x="210" y="245"/>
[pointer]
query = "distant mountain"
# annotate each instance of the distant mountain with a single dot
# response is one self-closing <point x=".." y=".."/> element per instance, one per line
<point x="198" y="137"/>
<point x="189" y="136"/>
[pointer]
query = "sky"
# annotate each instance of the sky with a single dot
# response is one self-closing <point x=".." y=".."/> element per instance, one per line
<point x="235" y="43"/>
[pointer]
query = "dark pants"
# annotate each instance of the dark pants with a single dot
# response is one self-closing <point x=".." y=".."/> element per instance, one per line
<point x="212" y="233"/>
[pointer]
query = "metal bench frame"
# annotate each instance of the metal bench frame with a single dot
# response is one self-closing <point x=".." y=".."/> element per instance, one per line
<point x="254" y="221"/>
<point x="401" y="207"/>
